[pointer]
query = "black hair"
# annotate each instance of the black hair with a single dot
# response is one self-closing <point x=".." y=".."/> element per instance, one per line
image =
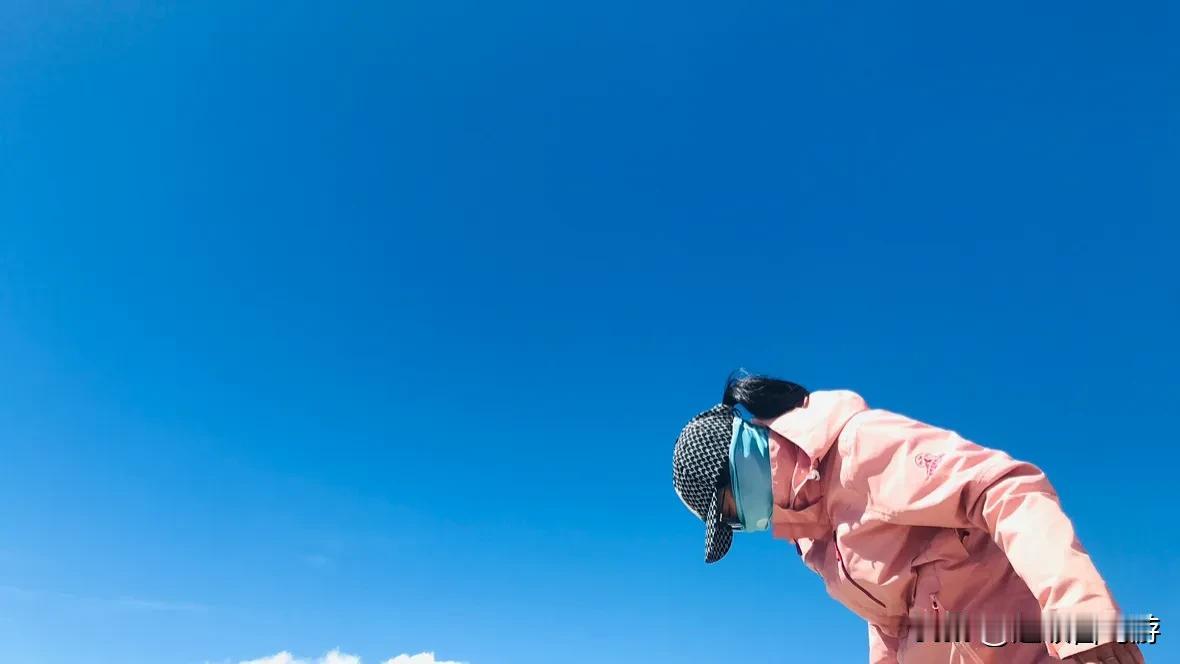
<point x="763" y="396"/>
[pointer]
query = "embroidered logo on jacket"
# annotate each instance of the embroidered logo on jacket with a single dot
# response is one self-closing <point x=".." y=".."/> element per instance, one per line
<point x="928" y="461"/>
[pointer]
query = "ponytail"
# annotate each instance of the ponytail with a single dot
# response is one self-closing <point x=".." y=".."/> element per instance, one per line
<point x="764" y="397"/>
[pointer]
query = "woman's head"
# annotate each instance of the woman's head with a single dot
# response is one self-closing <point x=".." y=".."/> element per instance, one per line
<point x="703" y="453"/>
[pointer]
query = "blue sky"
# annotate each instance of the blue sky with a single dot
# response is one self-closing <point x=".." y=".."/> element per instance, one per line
<point x="371" y="327"/>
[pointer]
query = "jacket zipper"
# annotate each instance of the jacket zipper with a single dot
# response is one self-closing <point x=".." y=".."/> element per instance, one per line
<point x="848" y="576"/>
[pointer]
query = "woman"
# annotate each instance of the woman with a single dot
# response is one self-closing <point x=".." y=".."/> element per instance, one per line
<point x="912" y="527"/>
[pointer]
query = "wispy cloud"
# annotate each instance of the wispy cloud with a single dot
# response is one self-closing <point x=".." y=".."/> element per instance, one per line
<point x="136" y="603"/>
<point x="157" y="605"/>
<point x="316" y="560"/>
<point x="337" y="657"/>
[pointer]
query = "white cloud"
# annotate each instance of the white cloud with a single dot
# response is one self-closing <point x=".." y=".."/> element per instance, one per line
<point x="281" y="658"/>
<point x="420" y="658"/>
<point x="337" y="657"/>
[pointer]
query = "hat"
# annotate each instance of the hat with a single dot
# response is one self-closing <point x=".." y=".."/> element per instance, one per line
<point x="698" y="463"/>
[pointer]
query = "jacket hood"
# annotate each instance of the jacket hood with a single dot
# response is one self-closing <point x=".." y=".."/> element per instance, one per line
<point x="799" y="440"/>
<point x="815" y="425"/>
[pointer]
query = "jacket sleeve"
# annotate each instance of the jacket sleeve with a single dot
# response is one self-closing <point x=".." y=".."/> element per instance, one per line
<point x="916" y="474"/>
<point x="882" y="648"/>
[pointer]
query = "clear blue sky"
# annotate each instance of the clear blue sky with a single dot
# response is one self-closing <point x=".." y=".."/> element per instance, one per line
<point x="371" y="326"/>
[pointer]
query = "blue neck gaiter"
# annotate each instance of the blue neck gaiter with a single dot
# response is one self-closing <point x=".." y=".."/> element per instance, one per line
<point x="749" y="474"/>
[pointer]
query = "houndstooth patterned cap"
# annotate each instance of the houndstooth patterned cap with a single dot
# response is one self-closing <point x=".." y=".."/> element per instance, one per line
<point x="700" y="458"/>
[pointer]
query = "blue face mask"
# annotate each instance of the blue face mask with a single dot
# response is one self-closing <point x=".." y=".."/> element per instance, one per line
<point x="749" y="474"/>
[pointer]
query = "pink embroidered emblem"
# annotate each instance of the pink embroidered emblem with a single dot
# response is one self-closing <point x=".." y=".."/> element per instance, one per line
<point x="928" y="461"/>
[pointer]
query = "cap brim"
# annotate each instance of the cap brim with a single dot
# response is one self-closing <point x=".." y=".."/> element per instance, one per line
<point x="718" y="534"/>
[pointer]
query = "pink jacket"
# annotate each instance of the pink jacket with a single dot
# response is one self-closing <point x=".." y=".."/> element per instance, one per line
<point x="901" y="518"/>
